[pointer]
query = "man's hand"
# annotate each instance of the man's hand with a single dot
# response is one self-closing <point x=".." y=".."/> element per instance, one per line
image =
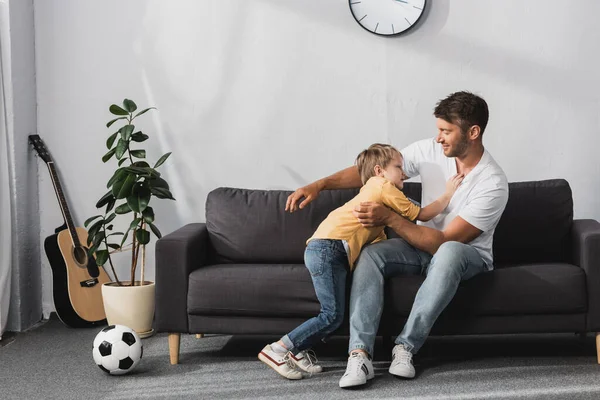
<point x="309" y="192"/>
<point x="371" y="214"/>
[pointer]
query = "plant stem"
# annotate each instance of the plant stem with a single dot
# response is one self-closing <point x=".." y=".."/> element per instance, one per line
<point x="133" y="253"/>
<point x="109" y="258"/>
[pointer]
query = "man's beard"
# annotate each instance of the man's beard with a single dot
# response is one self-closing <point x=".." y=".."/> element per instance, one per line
<point x="460" y="148"/>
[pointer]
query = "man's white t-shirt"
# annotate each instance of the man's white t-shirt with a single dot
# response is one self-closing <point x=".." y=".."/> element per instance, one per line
<point x="479" y="200"/>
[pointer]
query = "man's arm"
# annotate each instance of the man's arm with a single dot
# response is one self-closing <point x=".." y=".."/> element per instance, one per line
<point x="421" y="237"/>
<point x="345" y="179"/>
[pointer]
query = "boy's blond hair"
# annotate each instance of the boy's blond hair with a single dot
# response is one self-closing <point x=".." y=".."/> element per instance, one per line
<point x="376" y="154"/>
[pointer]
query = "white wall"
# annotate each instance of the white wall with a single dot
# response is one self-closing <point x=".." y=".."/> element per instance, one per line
<point x="274" y="94"/>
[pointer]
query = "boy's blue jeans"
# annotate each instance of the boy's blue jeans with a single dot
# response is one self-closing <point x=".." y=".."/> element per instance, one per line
<point x="452" y="263"/>
<point x="327" y="263"/>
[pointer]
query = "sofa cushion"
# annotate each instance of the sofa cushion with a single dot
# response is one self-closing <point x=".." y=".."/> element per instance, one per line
<point x="536" y="224"/>
<point x="518" y="290"/>
<point x="273" y="290"/>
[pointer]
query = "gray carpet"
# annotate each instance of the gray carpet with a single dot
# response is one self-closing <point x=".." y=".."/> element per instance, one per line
<point x="55" y="362"/>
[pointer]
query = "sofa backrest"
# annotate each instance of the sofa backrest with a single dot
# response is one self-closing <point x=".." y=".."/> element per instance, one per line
<point x="536" y="224"/>
<point x="251" y="226"/>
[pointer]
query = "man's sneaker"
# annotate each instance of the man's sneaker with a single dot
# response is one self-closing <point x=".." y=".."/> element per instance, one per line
<point x="280" y="362"/>
<point x="358" y="371"/>
<point x="402" y="362"/>
<point x="306" y="361"/>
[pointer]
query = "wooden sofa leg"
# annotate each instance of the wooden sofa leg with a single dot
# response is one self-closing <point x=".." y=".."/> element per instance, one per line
<point x="174" y="339"/>
<point x="598" y="346"/>
<point x="199" y="335"/>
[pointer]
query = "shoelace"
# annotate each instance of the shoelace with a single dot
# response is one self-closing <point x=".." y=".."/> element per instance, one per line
<point x="309" y="356"/>
<point x="355" y="362"/>
<point x="405" y="357"/>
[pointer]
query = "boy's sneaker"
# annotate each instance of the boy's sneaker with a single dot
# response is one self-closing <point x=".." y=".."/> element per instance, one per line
<point x="280" y="362"/>
<point x="358" y="371"/>
<point x="402" y="362"/>
<point x="306" y="361"/>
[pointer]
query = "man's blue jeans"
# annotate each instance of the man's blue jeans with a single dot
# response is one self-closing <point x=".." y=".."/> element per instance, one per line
<point x="327" y="263"/>
<point x="452" y="263"/>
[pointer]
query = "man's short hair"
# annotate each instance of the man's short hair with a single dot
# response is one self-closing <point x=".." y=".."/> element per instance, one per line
<point x="376" y="154"/>
<point x="464" y="109"/>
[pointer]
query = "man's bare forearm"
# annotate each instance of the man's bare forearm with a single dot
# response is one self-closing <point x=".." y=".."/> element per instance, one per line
<point x="421" y="237"/>
<point x="345" y="179"/>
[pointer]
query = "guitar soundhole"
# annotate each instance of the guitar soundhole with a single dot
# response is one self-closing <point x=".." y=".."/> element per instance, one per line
<point x="80" y="256"/>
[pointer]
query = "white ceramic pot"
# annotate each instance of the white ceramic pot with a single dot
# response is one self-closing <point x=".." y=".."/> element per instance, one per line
<point x="132" y="306"/>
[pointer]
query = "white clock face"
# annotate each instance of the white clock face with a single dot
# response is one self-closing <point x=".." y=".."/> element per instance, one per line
<point x="387" y="17"/>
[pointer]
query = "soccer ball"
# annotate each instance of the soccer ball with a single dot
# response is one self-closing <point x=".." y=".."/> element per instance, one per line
<point x="117" y="349"/>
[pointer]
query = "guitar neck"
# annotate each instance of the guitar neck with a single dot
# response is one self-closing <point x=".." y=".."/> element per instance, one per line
<point x="63" y="204"/>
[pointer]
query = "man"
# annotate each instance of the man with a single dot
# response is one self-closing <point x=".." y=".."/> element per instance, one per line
<point x="453" y="247"/>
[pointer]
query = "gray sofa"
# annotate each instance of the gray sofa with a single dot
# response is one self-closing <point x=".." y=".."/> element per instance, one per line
<point x="242" y="271"/>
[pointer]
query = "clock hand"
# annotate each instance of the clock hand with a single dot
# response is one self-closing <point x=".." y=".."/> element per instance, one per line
<point x="402" y="1"/>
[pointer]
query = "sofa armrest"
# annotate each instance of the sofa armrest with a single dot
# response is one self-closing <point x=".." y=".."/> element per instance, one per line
<point x="177" y="255"/>
<point x="586" y="254"/>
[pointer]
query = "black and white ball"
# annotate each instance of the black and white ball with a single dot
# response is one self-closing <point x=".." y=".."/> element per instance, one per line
<point x="117" y="349"/>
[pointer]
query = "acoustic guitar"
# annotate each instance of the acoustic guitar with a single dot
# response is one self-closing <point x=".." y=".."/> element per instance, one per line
<point x="76" y="279"/>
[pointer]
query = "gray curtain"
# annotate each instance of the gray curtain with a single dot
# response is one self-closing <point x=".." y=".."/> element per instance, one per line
<point x="5" y="206"/>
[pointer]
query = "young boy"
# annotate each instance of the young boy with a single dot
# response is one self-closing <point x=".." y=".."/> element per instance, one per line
<point x="334" y="248"/>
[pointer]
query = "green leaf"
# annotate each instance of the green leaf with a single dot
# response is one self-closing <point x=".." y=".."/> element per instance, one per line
<point x="121" y="148"/>
<point x="122" y="161"/>
<point x="95" y="228"/>
<point x="123" y="209"/>
<point x="158" y="183"/>
<point x="162" y="160"/>
<point x="143" y="236"/>
<point x="110" y="218"/>
<point x="139" y="137"/>
<point x="116" y="233"/>
<point x="104" y="200"/>
<point x="119" y="175"/>
<point x="91" y="250"/>
<point x="129" y="105"/>
<point x="138" y="153"/>
<point x="142" y="164"/>
<point x="110" y="205"/>
<point x="90" y="219"/>
<point x="123" y="189"/>
<point x="125" y="237"/>
<point x="114" y="120"/>
<point x="140" y="197"/>
<point x="148" y="215"/>
<point x="98" y="238"/>
<point x="162" y="193"/>
<point x="116" y="110"/>
<point x="144" y="111"/>
<point x="155" y="230"/>
<point x="111" y="140"/>
<point x="114" y="246"/>
<point x="126" y="131"/>
<point x="134" y="223"/>
<point x="108" y="155"/>
<point x="101" y="257"/>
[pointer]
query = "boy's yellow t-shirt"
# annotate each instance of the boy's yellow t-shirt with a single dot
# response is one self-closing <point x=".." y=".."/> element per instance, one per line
<point x="341" y="224"/>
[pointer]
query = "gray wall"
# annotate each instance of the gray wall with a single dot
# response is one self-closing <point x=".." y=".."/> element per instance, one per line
<point x="26" y="286"/>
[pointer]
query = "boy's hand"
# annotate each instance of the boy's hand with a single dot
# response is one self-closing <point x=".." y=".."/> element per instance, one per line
<point x="453" y="183"/>
<point x="309" y="192"/>
<point x="371" y="214"/>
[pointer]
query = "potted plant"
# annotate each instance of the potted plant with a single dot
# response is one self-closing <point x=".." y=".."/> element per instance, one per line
<point x="131" y="187"/>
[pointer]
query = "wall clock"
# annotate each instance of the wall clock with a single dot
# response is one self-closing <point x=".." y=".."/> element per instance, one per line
<point x="387" y="17"/>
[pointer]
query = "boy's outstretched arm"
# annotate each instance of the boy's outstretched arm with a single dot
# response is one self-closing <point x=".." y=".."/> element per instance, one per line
<point x="434" y="209"/>
<point x="345" y="179"/>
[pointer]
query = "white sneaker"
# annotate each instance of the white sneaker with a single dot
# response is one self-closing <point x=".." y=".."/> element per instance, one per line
<point x="358" y="371"/>
<point x="280" y="362"/>
<point x="306" y="361"/>
<point x="402" y="362"/>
